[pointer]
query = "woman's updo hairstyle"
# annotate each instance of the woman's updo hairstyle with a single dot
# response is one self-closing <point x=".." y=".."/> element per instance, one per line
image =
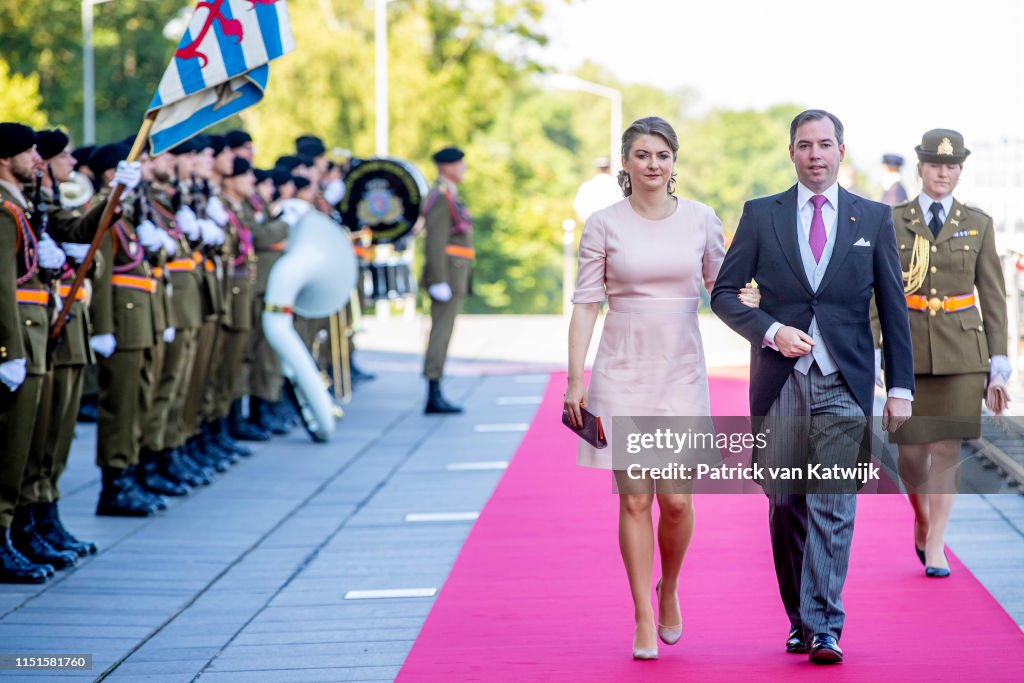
<point x="649" y="125"/>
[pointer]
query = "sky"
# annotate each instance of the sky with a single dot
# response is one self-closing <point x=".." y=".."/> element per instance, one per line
<point x="889" y="69"/>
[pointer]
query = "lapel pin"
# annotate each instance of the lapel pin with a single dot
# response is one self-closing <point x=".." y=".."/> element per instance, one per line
<point x="853" y="219"/>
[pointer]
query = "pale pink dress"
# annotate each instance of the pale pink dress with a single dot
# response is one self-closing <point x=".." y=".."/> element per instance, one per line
<point x="651" y="359"/>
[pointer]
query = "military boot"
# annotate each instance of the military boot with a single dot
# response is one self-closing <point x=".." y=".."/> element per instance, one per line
<point x="34" y="547"/>
<point x="226" y="441"/>
<point x="15" y="567"/>
<point x="241" y="429"/>
<point x="118" y="496"/>
<point x="171" y="466"/>
<point x="46" y="518"/>
<point x="436" y="403"/>
<point x="149" y="477"/>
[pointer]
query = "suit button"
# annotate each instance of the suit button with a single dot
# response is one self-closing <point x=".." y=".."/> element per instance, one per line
<point x="934" y="249"/>
<point x="931" y="313"/>
<point x="28" y="323"/>
<point x="814" y="302"/>
<point x="129" y="305"/>
<point x="934" y="291"/>
<point x="967" y="247"/>
<point x="903" y="246"/>
<point x="981" y="328"/>
<point x="933" y="270"/>
<point x="236" y="290"/>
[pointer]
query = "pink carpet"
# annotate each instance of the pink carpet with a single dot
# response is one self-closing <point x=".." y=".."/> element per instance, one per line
<point x="539" y="593"/>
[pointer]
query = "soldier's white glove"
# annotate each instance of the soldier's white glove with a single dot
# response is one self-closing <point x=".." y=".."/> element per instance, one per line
<point x="169" y="335"/>
<point x="12" y="373"/>
<point x="169" y="243"/>
<point x="74" y="250"/>
<point x="999" y="370"/>
<point x="103" y="344"/>
<point x="878" y="369"/>
<point x="149" y="236"/>
<point x="334" y="191"/>
<point x="211" y="232"/>
<point x="187" y="222"/>
<point x="216" y="212"/>
<point x="50" y="255"/>
<point x="128" y="173"/>
<point x="294" y="209"/>
<point x="440" y="291"/>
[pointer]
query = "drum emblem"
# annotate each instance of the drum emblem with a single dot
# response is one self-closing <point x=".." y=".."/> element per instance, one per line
<point x="379" y="205"/>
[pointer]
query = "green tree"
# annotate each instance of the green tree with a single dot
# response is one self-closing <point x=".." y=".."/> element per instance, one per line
<point x="21" y="101"/>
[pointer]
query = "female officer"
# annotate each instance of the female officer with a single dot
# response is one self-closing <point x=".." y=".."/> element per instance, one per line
<point x="957" y="299"/>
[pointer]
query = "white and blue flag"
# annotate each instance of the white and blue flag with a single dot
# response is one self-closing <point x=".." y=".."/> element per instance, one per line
<point x="220" y="67"/>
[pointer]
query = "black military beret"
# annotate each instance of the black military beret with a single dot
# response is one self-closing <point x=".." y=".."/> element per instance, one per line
<point x="281" y="176"/>
<point x="50" y="143"/>
<point x="237" y="138"/>
<point x="892" y="160"/>
<point x="289" y="163"/>
<point x="81" y="155"/>
<point x="219" y="144"/>
<point x="15" y="138"/>
<point x="186" y="147"/>
<point x="300" y="182"/>
<point x="107" y="157"/>
<point x="262" y="175"/>
<point x="240" y="167"/>
<point x="201" y="142"/>
<point x="448" y="155"/>
<point x="309" y="146"/>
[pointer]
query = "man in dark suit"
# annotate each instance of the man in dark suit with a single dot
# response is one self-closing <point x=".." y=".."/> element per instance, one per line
<point x="818" y="253"/>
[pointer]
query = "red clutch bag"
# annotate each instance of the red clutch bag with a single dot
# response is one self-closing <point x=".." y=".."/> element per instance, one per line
<point x="592" y="432"/>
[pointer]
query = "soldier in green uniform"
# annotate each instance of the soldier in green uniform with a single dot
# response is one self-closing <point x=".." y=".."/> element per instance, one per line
<point x="123" y="306"/>
<point x="62" y="387"/>
<point x="269" y="241"/>
<point x="957" y="299"/>
<point x="26" y="303"/>
<point x="240" y="266"/>
<point x="165" y="431"/>
<point x="447" y="268"/>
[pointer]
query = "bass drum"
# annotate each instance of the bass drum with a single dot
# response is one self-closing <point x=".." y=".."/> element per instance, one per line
<point x="385" y="195"/>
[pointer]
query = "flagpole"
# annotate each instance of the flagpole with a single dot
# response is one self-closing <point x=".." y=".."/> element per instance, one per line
<point x="106" y="219"/>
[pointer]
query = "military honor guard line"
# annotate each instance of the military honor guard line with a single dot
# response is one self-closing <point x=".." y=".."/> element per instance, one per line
<point x="163" y="347"/>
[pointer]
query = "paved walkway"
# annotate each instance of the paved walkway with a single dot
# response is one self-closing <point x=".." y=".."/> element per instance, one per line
<point x="256" y="577"/>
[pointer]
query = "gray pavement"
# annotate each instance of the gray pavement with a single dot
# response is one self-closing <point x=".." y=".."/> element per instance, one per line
<point x="253" y="578"/>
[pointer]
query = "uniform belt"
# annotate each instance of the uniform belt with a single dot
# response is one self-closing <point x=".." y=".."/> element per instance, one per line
<point x="39" y="297"/>
<point x="65" y="290"/>
<point x="461" y="252"/>
<point x="181" y="265"/>
<point x="144" y="284"/>
<point x="949" y="304"/>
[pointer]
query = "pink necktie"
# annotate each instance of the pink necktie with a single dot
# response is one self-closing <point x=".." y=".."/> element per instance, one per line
<point x="817" y="237"/>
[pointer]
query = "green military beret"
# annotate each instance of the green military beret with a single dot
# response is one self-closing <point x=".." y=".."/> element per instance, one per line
<point x="942" y="146"/>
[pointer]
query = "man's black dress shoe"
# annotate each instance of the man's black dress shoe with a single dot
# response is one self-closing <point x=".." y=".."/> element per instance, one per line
<point x="824" y="649"/>
<point x="795" y="642"/>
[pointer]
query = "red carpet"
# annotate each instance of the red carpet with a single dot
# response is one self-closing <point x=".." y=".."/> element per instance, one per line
<point x="539" y="592"/>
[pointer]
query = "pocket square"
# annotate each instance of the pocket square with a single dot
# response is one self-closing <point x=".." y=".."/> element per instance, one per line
<point x="862" y="243"/>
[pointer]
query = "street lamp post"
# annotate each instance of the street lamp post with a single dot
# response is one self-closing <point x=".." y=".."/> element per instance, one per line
<point x="381" y="80"/>
<point x="88" y="74"/>
<point x="570" y="82"/>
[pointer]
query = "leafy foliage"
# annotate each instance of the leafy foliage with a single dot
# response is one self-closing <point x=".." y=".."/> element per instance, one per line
<point x="460" y="72"/>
